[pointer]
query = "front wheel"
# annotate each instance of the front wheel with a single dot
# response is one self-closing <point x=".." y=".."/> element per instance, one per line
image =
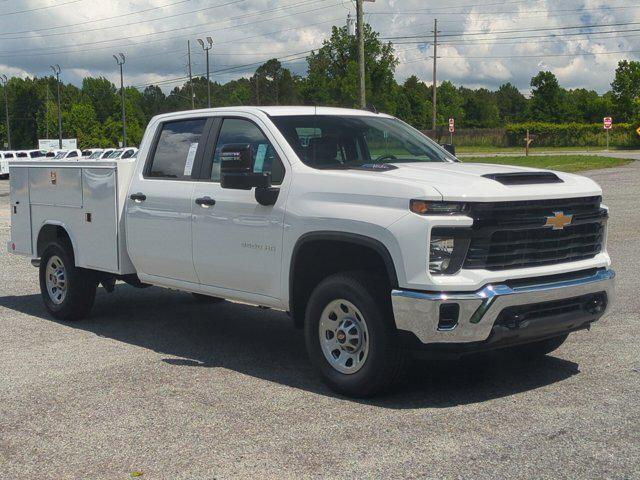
<point x="68" y="291"/>
<point x="350" y="335"/>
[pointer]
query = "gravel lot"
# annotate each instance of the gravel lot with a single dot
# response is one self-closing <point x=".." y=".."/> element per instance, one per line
<point x="158" y="384"/>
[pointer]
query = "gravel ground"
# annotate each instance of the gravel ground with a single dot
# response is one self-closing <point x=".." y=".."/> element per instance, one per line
<point x="156" y="383"/>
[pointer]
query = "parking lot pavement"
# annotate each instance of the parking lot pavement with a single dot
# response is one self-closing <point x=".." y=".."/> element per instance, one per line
<point x="156" y="383"/>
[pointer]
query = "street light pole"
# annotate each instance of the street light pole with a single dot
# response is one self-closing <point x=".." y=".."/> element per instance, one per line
<point x="5" y="81"/>
<point x="56" y="70"/>
<point x="120" y="60"/>
<point x="206" y="47"/>
<point x="361" y="59"/>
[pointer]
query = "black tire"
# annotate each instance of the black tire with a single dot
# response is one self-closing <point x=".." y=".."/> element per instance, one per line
<point x="81" y="284"/>
<point x="206" y="298"/>
<point x="531" y="351"/>
<point x="384" y="363"/>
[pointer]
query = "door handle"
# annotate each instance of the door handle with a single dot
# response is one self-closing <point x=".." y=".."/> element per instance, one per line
<point x="138" y="197"/>
<point x="205" y="202"/>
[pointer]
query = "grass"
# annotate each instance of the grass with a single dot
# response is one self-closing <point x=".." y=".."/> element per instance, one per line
<point x="519" y="150"/>
<point x="563" y="163"/>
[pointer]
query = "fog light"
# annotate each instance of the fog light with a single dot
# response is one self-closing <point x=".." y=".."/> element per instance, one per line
<point x="440" y="254"/>
<point x="597" y="304"/>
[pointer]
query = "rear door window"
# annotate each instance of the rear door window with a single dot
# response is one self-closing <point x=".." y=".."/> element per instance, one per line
<point x="176" y="149"/>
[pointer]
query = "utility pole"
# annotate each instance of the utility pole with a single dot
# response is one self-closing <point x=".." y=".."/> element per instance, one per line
<point x="193" y="95"/>
<point x="46" y="111"/>
<point x="120" y="60"/>
<point x="435" y="76"/>
<point x="5" y="83"/>
<point x="361" y="59"/>
<point x="206" y="47"/>
<point x="56" y="70"/>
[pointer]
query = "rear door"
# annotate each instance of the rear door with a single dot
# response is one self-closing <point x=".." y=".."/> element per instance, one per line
<point x="160" y="203"/>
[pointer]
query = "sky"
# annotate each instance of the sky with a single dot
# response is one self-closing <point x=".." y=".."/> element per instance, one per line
<point x="483" y="43"/>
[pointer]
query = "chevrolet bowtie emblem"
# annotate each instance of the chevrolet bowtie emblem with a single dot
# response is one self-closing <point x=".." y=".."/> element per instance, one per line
<point x="559" y="221"/>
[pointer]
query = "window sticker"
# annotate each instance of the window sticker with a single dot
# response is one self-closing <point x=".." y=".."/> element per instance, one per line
<point x="191" y="156"/>
<point x="258" y="166"/>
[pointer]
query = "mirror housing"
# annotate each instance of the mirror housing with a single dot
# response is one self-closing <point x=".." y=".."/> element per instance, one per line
<point x="236" y="169"/>
<point x="450" y="148"/>
<point x="236" y="172"/>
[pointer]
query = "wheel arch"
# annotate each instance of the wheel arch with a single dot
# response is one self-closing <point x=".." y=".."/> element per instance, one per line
<point x="358" y="252"/>
<point x="51" y="231"/>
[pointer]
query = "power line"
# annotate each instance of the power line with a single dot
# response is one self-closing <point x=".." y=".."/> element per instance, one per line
<point x="94" y="20"/>
<point x="490" y="41"/>
<point x="527" y="12"/>
<point x="111" y="27"/>
<point x="549" y="29"/>
<point x="18" y="12"/>
<point x="21" y="52"/>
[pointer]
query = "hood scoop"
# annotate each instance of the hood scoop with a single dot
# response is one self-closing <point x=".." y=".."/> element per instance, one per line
<point x="524" y="178"/>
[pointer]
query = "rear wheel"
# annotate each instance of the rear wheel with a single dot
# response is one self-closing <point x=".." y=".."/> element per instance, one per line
<point x="68" y="292"/>
<point x="350" y="335"/>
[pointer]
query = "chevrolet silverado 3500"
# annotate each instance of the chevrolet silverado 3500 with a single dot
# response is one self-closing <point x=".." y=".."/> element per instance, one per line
<point x="376" y="240"/>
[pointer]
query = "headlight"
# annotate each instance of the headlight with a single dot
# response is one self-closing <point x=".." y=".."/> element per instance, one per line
<point x="423" y="207"/>
<point x="440" y="254"/>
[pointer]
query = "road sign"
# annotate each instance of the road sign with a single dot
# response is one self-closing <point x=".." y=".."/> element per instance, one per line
<point x="608" y="123"/>
<point x="452" y="125"/>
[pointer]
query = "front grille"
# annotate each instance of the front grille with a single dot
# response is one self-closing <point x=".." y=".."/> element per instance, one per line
<point x="510" y="235"/>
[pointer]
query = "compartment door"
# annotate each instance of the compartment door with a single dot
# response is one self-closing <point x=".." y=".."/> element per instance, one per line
<point x="21" y="241"/>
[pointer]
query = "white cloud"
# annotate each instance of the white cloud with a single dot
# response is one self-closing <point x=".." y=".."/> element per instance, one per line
<point x="254" y="30"/>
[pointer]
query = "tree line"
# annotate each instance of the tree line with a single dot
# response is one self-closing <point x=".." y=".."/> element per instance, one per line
<point x="92" y="112"/>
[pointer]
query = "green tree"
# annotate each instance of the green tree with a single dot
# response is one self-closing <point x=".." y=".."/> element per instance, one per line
<point x="153" y="101"/>
<point x="626" y="90"/>
<point x="480" y="109"/>
<point x="512" y="104"/>
<point x="333" y="72"/>
<point x="414" y="103"/>
<point x="102" y="94"/>
<point x="546" y="98"/>
<point x="450" y="104"/>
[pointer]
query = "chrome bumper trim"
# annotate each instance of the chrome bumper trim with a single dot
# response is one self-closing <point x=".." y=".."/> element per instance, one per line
<point x="419" y="312"/>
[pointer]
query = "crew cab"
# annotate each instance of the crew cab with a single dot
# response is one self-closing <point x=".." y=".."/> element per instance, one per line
<point x="379" y="243"/>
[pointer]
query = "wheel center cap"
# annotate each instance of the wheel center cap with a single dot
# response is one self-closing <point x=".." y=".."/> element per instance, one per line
<point x="341" y="336"/>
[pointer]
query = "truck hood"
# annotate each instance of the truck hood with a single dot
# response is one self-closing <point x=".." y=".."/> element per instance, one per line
<point x="466" y="182"/>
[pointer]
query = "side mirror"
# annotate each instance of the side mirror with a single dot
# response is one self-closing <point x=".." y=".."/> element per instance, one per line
<point x="236" y="172"/>
<point x="236" y="169"/>
<point x="450" y="148"/>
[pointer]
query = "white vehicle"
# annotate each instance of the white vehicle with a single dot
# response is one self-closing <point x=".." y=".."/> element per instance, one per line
<point x="123" y="153"/>
<point x="30" y="154"/>
<point x="5" y="157"/>
<point x="104" y="154"/>
<point x="90" y="152"/>
<point x="68" y="155"/>
<point x="378" y="242"/>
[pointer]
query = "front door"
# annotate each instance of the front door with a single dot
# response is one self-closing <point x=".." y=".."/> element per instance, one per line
<point x="237" y="243"/>
<point x="160" y="203"/>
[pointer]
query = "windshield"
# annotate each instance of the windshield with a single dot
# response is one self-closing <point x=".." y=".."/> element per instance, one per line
<point x="115" y="154"/>
<point x="329" y="141"/>
<point x="95" y="155"/>
<point x="60" y="155"/>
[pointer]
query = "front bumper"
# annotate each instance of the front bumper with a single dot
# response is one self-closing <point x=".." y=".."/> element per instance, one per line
<point x="477" y="313"/>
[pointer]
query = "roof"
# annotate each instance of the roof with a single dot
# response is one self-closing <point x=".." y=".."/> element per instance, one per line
<point x="281" y="111"/>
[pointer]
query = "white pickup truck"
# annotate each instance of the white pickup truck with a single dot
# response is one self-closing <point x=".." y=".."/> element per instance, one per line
<point x="375" y="240"/>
